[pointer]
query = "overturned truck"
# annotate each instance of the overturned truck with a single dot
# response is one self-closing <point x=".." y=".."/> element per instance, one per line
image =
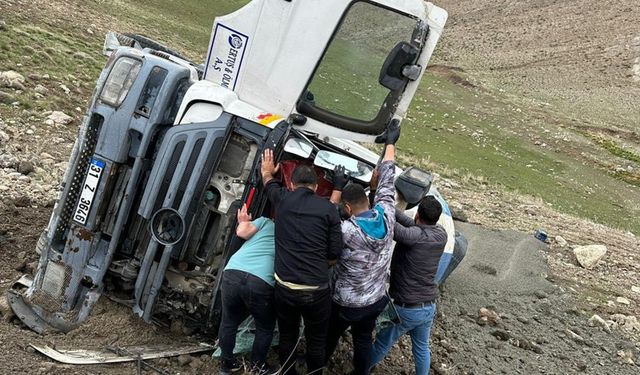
<point x="169" y="150"/>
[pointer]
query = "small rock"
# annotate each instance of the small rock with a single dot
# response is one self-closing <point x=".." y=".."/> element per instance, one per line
<point x="582" y="366"/>
<point x="589" y="256"/>
<point x="60" y="118"/>
<point x="635" y="289"/>
<point x="25" y="167"/>
<point x="40" y="89"/>
<point x="457" y="213"/>
<point x="5" y="98"/>
<point x="540" y="294"/>
<point x="501" y="334"/>
<point x="195" y="363"/>
<point x="597" y="321"/>
<point x="5" y="310"/>
<point x="65" y="89"/>
<point x="561" y="241"/>
<point x="164" y="362"/>
<point x="574" y="336"/>
<point x="80" y="55"/>
<point x="184" y="359"/>
<point x="22" y="201"/>
<point x="623" y="301"/>
<point x="626" y="323"/>
<point x="486" y="316"/>
<point x="3" y="26"/>
<point x="626" y="356"/>
<point x="11" y="76"/>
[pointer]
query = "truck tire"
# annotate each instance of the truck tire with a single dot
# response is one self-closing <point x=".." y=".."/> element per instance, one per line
<point x="150" y="43"/>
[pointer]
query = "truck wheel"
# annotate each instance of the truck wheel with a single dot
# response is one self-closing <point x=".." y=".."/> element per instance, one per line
<point x="150" y="43"/>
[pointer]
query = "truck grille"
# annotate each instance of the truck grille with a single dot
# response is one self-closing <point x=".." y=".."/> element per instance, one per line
<point x="84" y="158"/>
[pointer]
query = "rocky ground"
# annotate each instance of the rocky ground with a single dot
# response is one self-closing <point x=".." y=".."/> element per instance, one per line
<point x="567" y="319"/>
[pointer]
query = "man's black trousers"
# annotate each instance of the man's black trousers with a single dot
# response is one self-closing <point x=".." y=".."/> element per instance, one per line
<point x="315" y="308"/>
<point x="244" y="294"/>
<point x="362" y="321"/>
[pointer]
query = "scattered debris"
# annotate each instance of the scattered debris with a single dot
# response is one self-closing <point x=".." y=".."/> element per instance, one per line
<point x="589" y="256"/>
<point x="88" y="357"/>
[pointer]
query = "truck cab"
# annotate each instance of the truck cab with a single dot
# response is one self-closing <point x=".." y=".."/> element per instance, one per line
<point x="169" y="150"/>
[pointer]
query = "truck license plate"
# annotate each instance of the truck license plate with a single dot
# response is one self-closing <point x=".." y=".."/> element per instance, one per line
<point x="88" y="191"/>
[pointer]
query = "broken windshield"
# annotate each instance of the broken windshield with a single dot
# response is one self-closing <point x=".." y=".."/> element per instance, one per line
<point x="346" y="80"/>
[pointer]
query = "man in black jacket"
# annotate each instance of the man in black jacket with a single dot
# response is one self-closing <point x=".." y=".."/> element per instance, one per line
<point x="308" y="238"/>
<point x="419" y="245"/>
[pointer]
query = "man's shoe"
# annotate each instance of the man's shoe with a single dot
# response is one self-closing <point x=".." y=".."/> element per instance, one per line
<point x="229" y="367"/>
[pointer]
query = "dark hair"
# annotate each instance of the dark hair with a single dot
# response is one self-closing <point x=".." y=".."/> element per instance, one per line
<point x="355" y="195"/>
<point x="429" y="210"/>
<point x="304" y="175"/>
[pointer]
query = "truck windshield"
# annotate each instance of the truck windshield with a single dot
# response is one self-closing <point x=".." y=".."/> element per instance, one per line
<point x="346" y="80"/>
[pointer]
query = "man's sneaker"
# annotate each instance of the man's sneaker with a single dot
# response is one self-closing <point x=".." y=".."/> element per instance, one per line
<point x="228" y="367"/>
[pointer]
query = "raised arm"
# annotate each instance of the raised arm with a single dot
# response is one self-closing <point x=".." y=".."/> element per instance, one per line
<point x="246" y="229"/>
<point x="268" y="168"/>
<point x="404" y="220"/>
<point x="335" y="236"/>
<point x="386" y="192"/>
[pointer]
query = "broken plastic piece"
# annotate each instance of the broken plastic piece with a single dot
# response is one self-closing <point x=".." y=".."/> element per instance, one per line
<point x="94" y="357"/>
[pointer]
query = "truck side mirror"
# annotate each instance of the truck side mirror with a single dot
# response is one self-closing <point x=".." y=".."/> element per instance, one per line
<point x="400" y="67"/>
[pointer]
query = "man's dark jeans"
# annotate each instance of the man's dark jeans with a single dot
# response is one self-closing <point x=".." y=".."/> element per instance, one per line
<point x="315" y="308"/>
<point x="362" y="321"/>
<point x="244" y="294"/>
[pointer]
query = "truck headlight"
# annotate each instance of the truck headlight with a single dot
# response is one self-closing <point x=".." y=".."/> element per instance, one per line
<point x="119" y="82"/>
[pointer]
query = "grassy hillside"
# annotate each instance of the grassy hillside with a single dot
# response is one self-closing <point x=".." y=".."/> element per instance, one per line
<point x="462" y="126"/>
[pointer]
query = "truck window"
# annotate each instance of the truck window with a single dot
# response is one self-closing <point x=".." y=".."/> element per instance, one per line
<point x="345" y="82"/>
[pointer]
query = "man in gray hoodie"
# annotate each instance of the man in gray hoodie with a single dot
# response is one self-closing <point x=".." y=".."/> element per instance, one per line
<point x="361" y="271"/>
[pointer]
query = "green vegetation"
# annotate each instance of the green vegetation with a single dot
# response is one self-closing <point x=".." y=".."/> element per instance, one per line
<point x="184" y="25"/>
<point x="473" y="132"/>
<point x="613" y="147"/>
<point x="479" y="135"/>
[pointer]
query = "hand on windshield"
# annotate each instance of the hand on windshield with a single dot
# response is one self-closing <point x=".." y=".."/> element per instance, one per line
<point x="340" y="178"/>
<point x="268" y="167"/>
